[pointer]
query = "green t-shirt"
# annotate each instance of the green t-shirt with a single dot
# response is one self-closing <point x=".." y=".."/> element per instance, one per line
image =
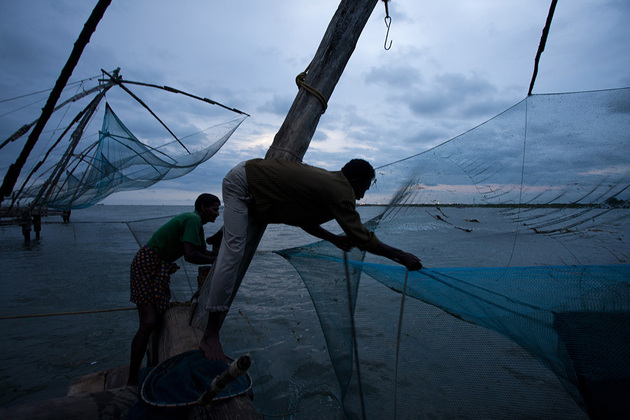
<point x="168" y="240"/>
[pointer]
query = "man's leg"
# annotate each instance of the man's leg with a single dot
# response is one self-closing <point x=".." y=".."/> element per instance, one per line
<point x="148" y="319"/>
<point x="223" y="279"/>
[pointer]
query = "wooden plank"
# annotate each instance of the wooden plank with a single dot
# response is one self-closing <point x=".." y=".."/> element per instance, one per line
<point x="117" y="377"/>
<point x="99" y="381"/>
<point x="178" y="336"/>
<point x="93" y="382"/>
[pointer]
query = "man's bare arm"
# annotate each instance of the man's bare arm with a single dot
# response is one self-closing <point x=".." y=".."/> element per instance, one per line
<point x="340" y="241"/>
<point x="408" y="260"/>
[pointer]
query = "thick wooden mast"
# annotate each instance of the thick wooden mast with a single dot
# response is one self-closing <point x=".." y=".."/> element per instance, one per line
<point x="335" y="49"/>
<point x="296" y="132"/>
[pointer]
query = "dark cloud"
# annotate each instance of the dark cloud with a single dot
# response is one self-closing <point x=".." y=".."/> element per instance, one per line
<point x="450" y="68"/>
<point x="278" y="105"/>
<point x="396" y="77"/>
<point x="457" y="96"/>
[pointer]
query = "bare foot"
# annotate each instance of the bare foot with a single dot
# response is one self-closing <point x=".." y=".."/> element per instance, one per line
<point x="212" y="348"/>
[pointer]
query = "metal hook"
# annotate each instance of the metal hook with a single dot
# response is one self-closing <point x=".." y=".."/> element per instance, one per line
<point x="388" y="22"/>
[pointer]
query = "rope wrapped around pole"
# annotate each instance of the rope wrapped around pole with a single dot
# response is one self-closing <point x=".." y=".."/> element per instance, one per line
<point x="300" y="80"/>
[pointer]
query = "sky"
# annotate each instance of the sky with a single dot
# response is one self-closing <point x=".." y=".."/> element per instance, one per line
<point x="452" y="65"/>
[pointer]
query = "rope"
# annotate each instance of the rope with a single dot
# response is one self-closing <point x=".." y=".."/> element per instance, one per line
<point x="400" y="319"/>
<point x="96" y="311"/>
<point x="46" y="90"/>
<point x="300" y="81"/>
<point x="520" y="192"/>
<point x="354" y="334"/>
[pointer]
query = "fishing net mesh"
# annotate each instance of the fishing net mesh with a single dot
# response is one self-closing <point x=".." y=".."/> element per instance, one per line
<point x="522" y="225"/>
<point x="119" y="161"/>
<point x="521" y="311"/>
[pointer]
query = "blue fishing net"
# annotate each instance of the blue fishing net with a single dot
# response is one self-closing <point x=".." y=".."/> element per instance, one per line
<point x="522" y="225"/>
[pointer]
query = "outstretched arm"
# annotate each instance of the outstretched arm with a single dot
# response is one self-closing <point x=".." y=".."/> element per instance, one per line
<point x="340" y="241"/>
<point x="408" y="260"/>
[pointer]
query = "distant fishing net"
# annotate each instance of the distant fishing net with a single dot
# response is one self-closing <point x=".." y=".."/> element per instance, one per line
<point x="72" y="165"/>
<point x="522" y="225"/>
<point x="119" y="161"/>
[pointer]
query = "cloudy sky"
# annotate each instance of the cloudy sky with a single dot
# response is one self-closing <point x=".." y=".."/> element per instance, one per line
<point x="452" y="65"/>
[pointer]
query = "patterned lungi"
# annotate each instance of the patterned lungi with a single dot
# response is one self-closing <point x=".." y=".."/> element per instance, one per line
<point x="151" y="279"/>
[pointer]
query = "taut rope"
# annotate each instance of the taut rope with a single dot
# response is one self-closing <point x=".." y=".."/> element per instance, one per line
<point x="95" y="311"/>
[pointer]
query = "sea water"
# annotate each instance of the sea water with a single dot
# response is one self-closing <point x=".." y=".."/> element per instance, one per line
<point x="83" y="266"/>
<point x="47" y="284"/>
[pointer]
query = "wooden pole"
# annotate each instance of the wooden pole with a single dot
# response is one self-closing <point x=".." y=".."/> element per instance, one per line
<point x="335" y="49"/>
<point x="296" y="132"/>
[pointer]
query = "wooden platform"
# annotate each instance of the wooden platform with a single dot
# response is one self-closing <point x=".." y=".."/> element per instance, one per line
<point x="99" y="381"/>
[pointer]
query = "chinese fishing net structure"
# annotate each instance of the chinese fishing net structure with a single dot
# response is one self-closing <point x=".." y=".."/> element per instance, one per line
<point x="522" y="225"/>
<point x="80" y="169"/>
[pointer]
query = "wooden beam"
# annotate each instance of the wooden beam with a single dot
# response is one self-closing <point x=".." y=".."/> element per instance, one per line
<point x="296" y="132"/>
<point x="177" y="337"/>
<point x="329" y="62"/>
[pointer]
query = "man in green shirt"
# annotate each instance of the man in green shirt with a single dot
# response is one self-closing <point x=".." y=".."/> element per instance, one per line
<point x="152" y="266"/>
<point x="281" y="191"/>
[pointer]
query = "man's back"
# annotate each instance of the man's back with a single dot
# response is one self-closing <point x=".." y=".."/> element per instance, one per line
<point x="295" y="193"/>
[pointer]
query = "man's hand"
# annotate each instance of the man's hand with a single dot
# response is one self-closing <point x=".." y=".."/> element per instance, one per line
<point x="409" y="260"/>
